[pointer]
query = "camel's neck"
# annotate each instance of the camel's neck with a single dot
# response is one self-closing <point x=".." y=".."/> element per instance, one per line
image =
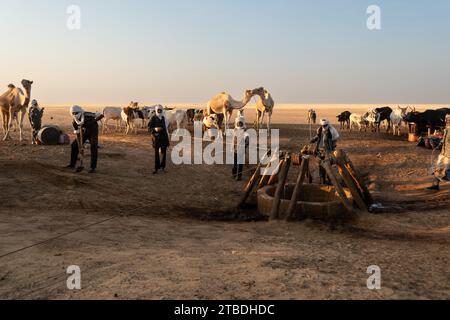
<point x="239" y="104"/>
<point x="27" y="97"/>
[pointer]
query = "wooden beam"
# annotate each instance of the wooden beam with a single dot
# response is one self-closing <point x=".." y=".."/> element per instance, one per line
<point x="250" y="186"/>
<point x="276" y="175"/>
<point x="296" y="193"/>
<point x="265" y="177"/>
<point x="280" y="188"/>
<point x="253" y="180"/>
<point x="351" y="185"/>
<point x="368" y="199"/>
<point x="340" y="191"/>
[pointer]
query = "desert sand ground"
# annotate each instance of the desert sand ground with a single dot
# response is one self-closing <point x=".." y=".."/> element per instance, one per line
<point x="173" y="236"/>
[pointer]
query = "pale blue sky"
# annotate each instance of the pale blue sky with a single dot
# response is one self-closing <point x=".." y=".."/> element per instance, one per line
<point x="173" y="51"/>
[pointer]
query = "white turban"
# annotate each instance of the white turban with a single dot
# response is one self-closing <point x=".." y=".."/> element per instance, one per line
<point x="324" y="122"/>
<point x="159" y="114"/>
<point x="77" y="114"/>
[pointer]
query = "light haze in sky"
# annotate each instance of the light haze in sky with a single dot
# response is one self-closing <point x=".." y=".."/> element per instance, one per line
<point x="186" y="51"/>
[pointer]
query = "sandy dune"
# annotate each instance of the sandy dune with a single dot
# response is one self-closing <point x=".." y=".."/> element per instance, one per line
<point x="175" y="236"/>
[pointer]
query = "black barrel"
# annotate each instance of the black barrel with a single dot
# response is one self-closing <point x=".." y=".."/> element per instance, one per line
<point x="49" y="135"/>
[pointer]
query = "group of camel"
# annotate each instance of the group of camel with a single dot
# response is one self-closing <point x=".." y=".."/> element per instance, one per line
<point x="224" y="104"/>
<point x="14" y="104"/>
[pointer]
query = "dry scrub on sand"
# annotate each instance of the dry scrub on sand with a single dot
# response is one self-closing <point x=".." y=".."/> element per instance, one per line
<point x="175" y="236"/>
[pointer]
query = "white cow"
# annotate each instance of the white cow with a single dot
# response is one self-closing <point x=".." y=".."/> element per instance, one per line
<point x="178" y="119"/>
<point x="150" y="113"/>
<point x="397" y="117"/>
<point x="210" y="123"/>
<point x="358" y="121"/>
<point x="371" y="118"/>
<point x="114" y="114"/>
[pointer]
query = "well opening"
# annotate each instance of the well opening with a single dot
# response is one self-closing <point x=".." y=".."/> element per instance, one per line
<point x="315" y="201"/>
<point x="308" y="193"/>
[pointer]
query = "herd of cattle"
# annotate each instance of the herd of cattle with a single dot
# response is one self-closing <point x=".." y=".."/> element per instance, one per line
<point x="394" y="118"/>
<point x="133" y="116"/>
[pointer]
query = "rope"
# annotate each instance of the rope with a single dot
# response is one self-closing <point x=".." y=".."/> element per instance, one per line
<point x="71" y="232"/>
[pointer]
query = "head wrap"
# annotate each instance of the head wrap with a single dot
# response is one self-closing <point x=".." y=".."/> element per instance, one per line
<point x="161" y="112"/>
<point x="77" y="114"/>
<point x="324" y="122"/>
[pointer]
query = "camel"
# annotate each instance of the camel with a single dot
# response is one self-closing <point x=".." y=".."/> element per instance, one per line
<point x="12" y="102"/>
<point x="264" y="104"/>
<point x="224" y="104"/>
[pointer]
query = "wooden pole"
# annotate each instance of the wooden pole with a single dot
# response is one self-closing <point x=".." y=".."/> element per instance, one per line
<point x="296" y="193"/>
<point x="342" y="196"/>
<point x="351" y="185"/>
<point x="250" y="186"/>
<point x="253" y="181"/>
<point x="275" y="176"/>
<point x="265" y="178"/>
<point x="280" y="188"/>
<point x="368" y="199"/>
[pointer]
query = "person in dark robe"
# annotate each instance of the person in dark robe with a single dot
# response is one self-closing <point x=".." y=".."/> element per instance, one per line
<point x="85" y="125"/>
<point x="159" y="129"/>
<point x="35" y="115"/>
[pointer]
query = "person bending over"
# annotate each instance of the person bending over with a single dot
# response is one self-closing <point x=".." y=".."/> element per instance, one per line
<point x="85" y="125"/>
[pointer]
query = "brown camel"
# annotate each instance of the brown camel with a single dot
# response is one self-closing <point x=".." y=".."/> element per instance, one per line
<point x="13" y="102"/>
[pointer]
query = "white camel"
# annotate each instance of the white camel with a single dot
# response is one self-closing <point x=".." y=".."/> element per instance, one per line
<point x="224" y="104"/>
<point x="264" y="104"/>
<point x="13" y="102"/>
